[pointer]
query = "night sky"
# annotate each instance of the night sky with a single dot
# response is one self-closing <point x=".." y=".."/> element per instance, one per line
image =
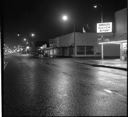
<point x="43" y="17"/>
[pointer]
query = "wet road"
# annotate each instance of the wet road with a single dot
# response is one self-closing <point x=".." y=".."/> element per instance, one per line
<point x="62" y="87"/>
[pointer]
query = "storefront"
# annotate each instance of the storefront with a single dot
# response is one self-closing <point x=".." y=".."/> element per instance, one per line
<point x="123" y="51"/>
<point x="116" y="47"/>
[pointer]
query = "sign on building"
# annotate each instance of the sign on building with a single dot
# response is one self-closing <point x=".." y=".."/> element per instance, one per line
<point x="104" y="27"/>
<point x="124" y="45"/>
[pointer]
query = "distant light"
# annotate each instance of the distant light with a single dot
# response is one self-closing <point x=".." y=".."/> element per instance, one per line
<point x="25" y="39"/>
<point x="41" y="47"/>
<point x="27" y="47"/>
<point x="95" y="6"/>
<point x="65" y="17"/>
<point x="33" y="35"/>
<point x="18" y="35"/>
<point x="18" y="50"/>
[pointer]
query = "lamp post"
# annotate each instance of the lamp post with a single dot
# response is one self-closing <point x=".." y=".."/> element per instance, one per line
<point x="65" y="18"/>
<point x="102" y="48"/>
<point x="101" y="10"/>
<point x="74" y="27"/>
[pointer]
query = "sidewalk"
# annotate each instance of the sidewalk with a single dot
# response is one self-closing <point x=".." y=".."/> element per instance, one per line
<point x="110" y="63"/>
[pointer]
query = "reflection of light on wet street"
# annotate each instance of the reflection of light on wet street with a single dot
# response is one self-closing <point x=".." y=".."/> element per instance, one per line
<point x="103" y="98"/>
<point x="29" y="63"/>
<point x="29" y="76"/>
<point x="62" y="86"/>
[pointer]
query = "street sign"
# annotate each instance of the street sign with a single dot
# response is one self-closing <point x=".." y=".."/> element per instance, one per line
<point x="104" y="27"/>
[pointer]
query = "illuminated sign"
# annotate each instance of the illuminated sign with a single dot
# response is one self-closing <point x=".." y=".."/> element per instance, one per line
<point x="124" y="45"/>
<point x="104" y="27"/>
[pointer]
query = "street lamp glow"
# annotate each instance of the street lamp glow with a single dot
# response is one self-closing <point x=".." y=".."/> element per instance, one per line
<point x="27" y="47"/>
<point x="32" y="34"/>
<point x="41" y="47"/>
<point x="25" y="39"/>
<point x="64" y="17"/>
<point x="18" y="35"/>
<point x="95" y="6"/>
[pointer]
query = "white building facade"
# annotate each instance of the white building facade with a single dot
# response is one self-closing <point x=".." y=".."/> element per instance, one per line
<point x="86" y="45"/>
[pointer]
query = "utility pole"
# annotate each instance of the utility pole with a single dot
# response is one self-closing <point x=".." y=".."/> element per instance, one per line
<point x="74" y="39"/>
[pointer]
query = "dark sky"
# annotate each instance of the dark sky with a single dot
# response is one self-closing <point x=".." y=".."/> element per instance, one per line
<point x="43" y="17"/>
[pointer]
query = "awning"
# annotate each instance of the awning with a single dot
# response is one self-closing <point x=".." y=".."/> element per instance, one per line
<point x="113" y="42"/>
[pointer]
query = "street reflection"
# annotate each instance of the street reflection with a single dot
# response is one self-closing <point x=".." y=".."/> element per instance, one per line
<point x="63" y="90"/>
<point x="62" y="86"/>
<point x="103" y="99"/>
<point x="29" y="76"/>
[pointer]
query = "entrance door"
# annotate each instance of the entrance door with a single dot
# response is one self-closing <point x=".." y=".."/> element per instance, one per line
<point x="112" y="50"/>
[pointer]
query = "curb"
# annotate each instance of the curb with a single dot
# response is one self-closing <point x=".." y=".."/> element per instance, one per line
<point x="96" y="65"/>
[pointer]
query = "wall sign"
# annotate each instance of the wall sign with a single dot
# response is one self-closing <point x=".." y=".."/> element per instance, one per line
<point x="104" y="27"/>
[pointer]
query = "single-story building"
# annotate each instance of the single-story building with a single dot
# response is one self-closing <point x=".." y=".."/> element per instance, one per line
<point x="76" y="45"/>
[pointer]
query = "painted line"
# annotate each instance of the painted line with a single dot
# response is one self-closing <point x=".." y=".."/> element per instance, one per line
<point x="109" y="91"/>
<point x="120" y="95"/>
<point x="5" y="64"/>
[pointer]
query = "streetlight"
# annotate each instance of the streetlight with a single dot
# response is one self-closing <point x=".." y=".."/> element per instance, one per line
<point x="65" y="18"/>
<point x="41" y="47"/>
<point x="25" y="39"/>
<point x="32" y="35"/>
<point x="18" y="35"/>
<point x="95" y="6"/>
<point x="27" y="48"/>
<point x="99" y="5"/>
<point x="102" y="48"/>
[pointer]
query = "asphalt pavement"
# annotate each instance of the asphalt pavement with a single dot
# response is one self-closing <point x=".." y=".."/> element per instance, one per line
<point x="62" y="87"/>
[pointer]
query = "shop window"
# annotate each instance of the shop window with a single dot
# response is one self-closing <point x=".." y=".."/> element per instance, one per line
<point x="80" y="50"/>
<point x="89" y="50"/>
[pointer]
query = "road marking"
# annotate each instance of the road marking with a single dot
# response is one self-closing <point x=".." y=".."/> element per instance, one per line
<point x="5" y="64"/>
<point x="109" y="91"/>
